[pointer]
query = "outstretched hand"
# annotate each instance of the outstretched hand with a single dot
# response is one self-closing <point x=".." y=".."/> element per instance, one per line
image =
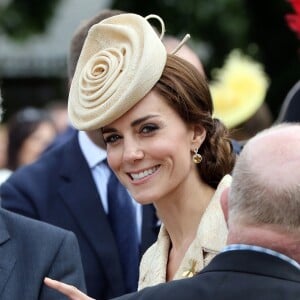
<point x="68" y="290"/>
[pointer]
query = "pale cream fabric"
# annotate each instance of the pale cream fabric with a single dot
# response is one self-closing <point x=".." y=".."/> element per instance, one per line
<point x="120" y="62"/>
<point x="211" y="238"/>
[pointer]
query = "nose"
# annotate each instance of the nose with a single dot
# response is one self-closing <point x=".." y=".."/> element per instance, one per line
<point x="132" y="151"/>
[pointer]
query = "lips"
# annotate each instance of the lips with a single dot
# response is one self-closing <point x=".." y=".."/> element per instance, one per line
<point x="143" y="174"/>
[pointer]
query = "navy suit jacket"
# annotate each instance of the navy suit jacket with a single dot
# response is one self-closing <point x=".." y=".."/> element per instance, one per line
<point x="59" y="189"/>
<point x="233" y="275"/>
<point x="31" y="250"/>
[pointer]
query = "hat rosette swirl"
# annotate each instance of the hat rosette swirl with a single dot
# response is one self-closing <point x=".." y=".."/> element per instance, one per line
<point x="120" y="62"/>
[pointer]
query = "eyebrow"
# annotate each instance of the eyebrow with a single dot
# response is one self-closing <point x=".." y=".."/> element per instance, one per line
<point x="132" y="124"/>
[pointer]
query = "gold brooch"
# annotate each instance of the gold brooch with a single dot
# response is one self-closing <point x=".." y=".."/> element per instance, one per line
<point x="192" y="269"/>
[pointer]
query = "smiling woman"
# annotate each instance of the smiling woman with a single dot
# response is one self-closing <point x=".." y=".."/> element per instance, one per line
<point x="150" y="149"/>
<point x="162" y="142"/>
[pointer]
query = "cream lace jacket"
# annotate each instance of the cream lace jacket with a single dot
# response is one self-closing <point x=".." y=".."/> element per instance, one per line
<point x="210" y="239"/>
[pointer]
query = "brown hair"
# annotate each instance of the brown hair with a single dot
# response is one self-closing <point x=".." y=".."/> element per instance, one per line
<point x="187" y="91"/>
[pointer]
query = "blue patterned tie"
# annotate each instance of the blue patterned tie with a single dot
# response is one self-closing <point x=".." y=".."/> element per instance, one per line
<point x="122" y="216"/>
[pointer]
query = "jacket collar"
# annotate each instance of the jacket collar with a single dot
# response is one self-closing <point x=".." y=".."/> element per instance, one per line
<point x="253" y="262"/>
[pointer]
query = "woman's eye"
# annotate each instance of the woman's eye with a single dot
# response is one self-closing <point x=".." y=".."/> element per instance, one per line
<point x="111" y="139"/>
<point x="148" y="128"/>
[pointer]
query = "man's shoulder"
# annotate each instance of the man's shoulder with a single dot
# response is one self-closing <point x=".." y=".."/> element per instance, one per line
<point x="218" y="281"/>
<point x="31" y="229"/>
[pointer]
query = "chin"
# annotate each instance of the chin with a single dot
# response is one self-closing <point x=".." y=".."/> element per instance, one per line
<point x="143" y="200"/>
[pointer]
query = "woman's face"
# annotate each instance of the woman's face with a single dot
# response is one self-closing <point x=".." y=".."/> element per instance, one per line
<point x="150" y="148"/>
<point x="36" y="143"/>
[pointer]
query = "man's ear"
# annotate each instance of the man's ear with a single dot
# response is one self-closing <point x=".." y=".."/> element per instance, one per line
<point x="224" y="203"/>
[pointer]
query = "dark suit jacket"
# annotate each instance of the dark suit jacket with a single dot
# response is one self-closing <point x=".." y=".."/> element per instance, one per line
<point x="62" y="138"/>
<point x="59" y="189"/>
<point x="290" y="109"/>
<point x="31" y="250"/>
<point x="233" y="275"/>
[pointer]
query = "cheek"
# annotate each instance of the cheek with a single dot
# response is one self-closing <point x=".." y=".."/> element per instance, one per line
<point x="178" y="157"/>
<point x="175" y="149"/>
<point x="159" y="149"/>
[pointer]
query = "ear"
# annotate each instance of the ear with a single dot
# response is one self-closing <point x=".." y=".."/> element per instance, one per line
<point x="198" y="136"/>
<point x="224" y="203"/>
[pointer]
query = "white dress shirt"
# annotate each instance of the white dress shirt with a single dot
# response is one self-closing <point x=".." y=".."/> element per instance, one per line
<point x="95" y="157"/>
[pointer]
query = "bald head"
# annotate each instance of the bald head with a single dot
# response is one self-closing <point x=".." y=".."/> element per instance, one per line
<point x="184" y="52"/>
<point x="266" y="188"/>
<point x="275" y="156"/>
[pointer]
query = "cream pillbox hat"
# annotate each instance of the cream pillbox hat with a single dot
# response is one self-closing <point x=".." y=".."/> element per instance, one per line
<point x="120" y="62"/>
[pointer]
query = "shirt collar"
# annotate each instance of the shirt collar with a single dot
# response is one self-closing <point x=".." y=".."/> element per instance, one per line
<point x="92" y="153"/>
<point x="282" y="256"/>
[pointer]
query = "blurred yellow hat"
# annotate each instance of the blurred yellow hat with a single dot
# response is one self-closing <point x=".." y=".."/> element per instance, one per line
<point x="238" y="89"/>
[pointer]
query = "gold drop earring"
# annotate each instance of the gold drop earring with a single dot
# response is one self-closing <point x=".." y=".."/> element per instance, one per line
<point x="197" y="158"/>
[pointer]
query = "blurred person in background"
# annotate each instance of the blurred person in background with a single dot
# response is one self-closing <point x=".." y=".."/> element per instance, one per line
<point x="58" y="111"/>
<point x="3" y="146"/>
<point x="290" y="108"/>
<point x="4" y="172"/>
<point x="30" y="131"/>
<point x="186" y="52"/>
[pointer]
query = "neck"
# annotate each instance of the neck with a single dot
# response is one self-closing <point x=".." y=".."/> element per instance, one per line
<point x="181" y="212"/>
<point x="267" y="236"/>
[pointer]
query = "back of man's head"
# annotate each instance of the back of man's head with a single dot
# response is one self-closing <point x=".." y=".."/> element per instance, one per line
<point x="266" y="190"/>
<point x="80" y="36"/>
<point x="185" y="52"/>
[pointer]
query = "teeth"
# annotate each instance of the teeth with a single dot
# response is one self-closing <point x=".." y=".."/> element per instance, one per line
<point x="143" y="174"/>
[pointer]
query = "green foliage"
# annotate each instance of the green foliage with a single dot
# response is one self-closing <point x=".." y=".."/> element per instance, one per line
<point x="21" y="18"/>
<point x="218" y="24"/>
